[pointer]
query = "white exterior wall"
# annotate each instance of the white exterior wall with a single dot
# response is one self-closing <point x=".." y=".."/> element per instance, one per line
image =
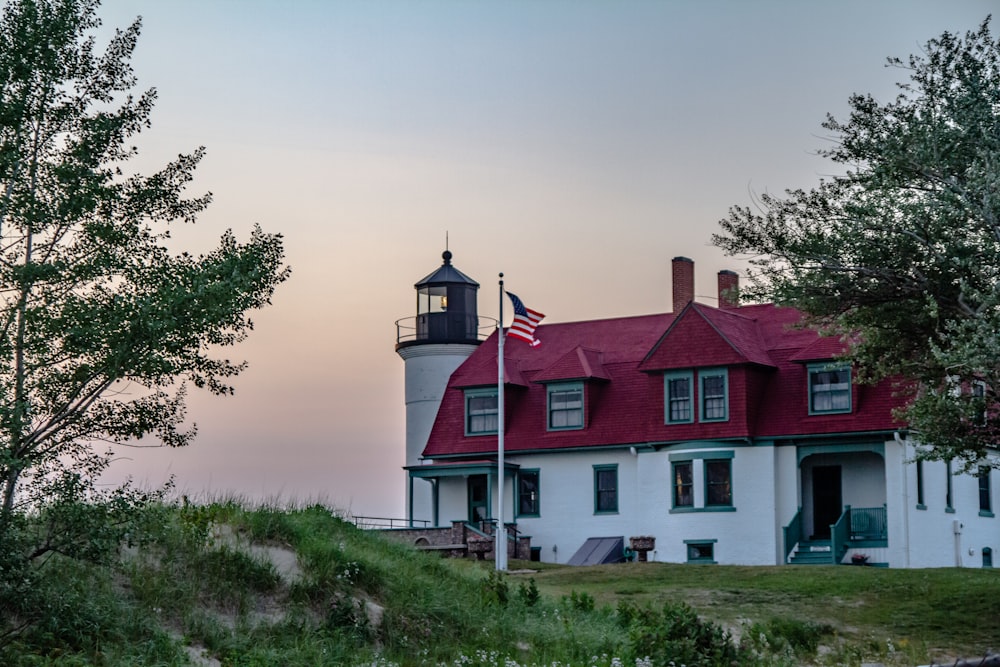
<point x="767" y="491"/>
<point x="427" y="369"/>
<point x="787" y="494"/>
<point x="900" y="481"/>
<point x="566" y="500"/>
<point x="942" y="538"/>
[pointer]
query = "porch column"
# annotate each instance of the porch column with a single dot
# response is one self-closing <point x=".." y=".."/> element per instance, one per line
<point x="409" y="500"/>
<point x="436" y="494"/>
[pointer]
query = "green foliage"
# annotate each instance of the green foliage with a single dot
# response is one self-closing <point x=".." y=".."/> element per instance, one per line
<point x="777" y="635"/>
<point x="528" y="593"/>
<point x="496" y="590"/>
<point x="675" y="634"/>
<point x="900" y="254"/>
<point x="199" y="580"/>
<point x="582" y="601"/>
<point x="102" y="327"/>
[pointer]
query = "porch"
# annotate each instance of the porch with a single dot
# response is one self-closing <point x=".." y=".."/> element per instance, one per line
<point x="856" y="529"/>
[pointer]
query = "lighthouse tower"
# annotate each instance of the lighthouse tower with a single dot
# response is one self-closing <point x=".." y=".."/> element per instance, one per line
<point x="444" y="332"/>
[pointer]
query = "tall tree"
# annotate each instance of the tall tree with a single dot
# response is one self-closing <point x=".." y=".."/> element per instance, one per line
<point x="101" y="325"/>
<point x="901" y="253"/>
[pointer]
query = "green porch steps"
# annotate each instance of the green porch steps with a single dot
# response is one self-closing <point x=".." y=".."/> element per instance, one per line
<point x="813" y="552"/>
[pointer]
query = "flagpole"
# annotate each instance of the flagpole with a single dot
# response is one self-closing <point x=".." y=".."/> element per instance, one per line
<point x="500" y="534"/>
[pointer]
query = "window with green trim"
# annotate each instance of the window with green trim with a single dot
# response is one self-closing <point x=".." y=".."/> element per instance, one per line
<point x="605" y="489"/>
<point x="528" y="493"/>
<point x="829" y="389"/>
<point x="718" y="482"/>
<point x="565" y="406"/>
<point x="979" y="392"/>
<point x="683" y="484"/>
<point x="480" y="411"/>
<point x="920" y="485"/>
<point x="948" y="495"/>
<point x="985" y="501"/>
<point x="700" y="551"/>
<point x="713" y="385"/>
<point x="678" y="388"/>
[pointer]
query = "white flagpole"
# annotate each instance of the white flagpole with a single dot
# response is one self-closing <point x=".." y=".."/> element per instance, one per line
<point x="500" y="534"/>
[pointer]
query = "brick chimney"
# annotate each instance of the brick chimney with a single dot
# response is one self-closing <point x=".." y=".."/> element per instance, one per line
<point x="683" y="282"/>
<point x="729" y="286"/>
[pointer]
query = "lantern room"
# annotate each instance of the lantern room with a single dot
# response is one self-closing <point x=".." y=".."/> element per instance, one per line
<point x="446" y="309"/>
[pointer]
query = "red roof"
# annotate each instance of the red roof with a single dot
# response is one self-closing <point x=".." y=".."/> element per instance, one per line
<point x="577" y="364"/>
<point x="621" y="363"/>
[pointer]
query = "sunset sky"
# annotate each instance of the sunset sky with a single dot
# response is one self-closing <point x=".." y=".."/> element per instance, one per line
<point x="576" y="146"/>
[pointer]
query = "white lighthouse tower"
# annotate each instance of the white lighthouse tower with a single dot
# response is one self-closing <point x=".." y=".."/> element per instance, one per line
<point x="433" y="344"/>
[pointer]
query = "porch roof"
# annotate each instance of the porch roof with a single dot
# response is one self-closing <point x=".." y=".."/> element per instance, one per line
<point x="482" y="467"/>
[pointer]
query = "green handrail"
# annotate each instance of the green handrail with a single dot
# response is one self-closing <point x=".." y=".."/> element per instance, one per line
<point x="793" y="533"/>
<point x="840" y="535"/>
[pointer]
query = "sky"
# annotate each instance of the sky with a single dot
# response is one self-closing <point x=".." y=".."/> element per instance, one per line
<point x="575" y="146"/>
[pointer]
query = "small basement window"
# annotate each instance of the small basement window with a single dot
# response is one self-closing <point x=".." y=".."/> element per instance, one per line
<point x="700" y="551"/>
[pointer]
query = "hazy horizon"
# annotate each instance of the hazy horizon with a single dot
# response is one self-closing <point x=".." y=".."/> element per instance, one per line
<point x="574" y="146"/>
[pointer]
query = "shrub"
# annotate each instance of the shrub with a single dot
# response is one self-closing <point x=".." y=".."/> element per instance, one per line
<point x="677" y="635"/>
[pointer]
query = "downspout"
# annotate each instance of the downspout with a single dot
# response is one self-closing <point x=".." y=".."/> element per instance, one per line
<point x="906" y="501"/>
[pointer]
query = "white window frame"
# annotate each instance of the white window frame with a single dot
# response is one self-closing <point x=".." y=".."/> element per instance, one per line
<point x="472" y="394"/>
<point x="669" y="398"/>
<point x="826" y="389"/>
<point x="550" y="411"/>
<point x="703" y="397"/>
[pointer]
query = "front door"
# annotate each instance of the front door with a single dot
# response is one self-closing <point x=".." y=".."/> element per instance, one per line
<point x="479" y="500"/>
<point x="826" y="499"/>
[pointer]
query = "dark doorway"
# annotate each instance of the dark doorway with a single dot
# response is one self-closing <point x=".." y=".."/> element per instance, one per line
<point x="826" y="499"/>
<point x="479" y="499"/>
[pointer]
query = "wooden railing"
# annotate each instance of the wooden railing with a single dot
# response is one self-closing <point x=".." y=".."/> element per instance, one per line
<point x="840" y="535"/>
<point x="868" y="523"/>
<point x="793" y="533"/>
<point x="386" y="523"/>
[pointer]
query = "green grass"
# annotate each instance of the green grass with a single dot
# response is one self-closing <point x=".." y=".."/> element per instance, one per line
<point x="200" y="585"/>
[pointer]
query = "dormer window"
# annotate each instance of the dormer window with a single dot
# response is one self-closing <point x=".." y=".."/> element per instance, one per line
<point x="680" y="398"/>
<point x="481" y="411"/>
<point x="829" y="389"/>
<point x="714" y="394"/>
<point x="565" y="406"/>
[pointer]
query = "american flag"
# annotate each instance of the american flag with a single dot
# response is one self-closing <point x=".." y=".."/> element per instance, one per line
<point x="525" y="321"/>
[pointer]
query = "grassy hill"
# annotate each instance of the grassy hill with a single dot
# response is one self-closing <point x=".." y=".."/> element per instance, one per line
<point x="226" y="585"/>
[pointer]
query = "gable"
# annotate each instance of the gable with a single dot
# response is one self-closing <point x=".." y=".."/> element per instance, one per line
<point x="695" y="340"/>
<point x="578" y="364"/>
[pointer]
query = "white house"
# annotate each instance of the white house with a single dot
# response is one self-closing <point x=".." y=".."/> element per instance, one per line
<point x="726" y="433"/>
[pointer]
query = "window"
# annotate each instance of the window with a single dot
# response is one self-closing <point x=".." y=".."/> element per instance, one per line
<point x="605" y="489"/>
<point x="920" y="486"/>
<point x="680" y="403"/>
<point x="718" y="482"/>
<point x="985" y="502"/>
<point x="565" y="406"/>
<point x="527" y="493"/>
<point x="979" y="392"/>
<point x="829" y="389"/>
<point x="700" y="551"/>
<point x="714" y="396"/>
<point x="948" y="507"/>
<point x="713" y="469"/>
<point x="481" y="412"/>
<point x="683" y="484"/>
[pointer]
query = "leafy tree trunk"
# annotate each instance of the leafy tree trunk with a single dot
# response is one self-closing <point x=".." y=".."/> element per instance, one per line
<point x="901" y="254"/>
<point x="92" y="302"/>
